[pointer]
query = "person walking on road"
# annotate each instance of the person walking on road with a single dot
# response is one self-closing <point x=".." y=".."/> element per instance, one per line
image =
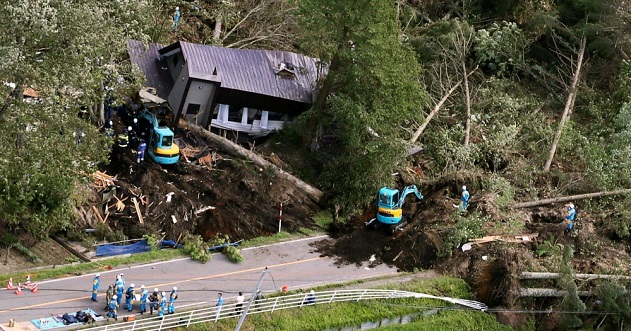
<point x="144" y="294"/>
<point x="154" y="299"/>
<point x="95" y="287"/>
<point x="239" y="306"/>
<point x="218" y="305"/>
<point x="172" y="298"/>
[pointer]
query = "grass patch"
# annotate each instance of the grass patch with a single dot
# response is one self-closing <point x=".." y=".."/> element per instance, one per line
<point x="449" y="320"/>
<point x="275" y="238"/>
<point x="349" y="314"/>
<point x="442" y="286"/>
<point x="81" y="268"/>
<point x="323" y="219"/>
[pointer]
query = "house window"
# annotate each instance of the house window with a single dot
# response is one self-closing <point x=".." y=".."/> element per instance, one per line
<point x="192" y="109"/>
<point x="235" y="114"/>
<point x="275" y="116"/>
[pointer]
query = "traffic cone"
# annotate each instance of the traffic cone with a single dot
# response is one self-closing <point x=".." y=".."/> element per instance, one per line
<point x="28" y="281"/>
<point x="18" y="290"/>
<point x="34" y="288"/>
<point x="10" y="286"/>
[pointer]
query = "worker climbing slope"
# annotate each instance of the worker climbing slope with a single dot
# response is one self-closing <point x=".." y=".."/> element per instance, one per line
<point x="569" y="216"/>
<point x="464" y="200"/>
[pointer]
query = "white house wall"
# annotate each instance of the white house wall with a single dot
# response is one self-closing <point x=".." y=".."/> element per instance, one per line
<point x="257" y="128"/>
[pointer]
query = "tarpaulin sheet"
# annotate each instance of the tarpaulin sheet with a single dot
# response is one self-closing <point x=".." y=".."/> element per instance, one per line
<point x="170" y="243"/>
<point x="111" y="250"/>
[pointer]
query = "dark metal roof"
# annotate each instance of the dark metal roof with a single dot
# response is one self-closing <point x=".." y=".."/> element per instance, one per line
<point x="148" y="61"/>
<point x="252" y="70"/>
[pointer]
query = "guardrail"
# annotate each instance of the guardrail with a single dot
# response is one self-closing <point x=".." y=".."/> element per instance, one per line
<point x="213" y="314"/>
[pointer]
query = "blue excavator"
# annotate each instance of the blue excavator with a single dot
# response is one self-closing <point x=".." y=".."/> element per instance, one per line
<point x="159" y="138"/>
<point x="390" y="208"/>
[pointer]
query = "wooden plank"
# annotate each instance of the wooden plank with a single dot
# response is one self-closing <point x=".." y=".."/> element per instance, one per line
<point x="96" y="211"/>
<point x="138" y="212"/>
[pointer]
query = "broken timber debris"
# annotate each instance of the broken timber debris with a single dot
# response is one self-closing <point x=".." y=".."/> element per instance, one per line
<point x="203" y="209"/>
<point x="102" y="180"/>
<point x="230" y="147"/>
<point x="138" y="212"/>
<point x="520" y="238"/>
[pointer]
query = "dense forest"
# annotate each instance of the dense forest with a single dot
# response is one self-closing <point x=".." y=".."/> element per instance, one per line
<point x="525" y="100"/>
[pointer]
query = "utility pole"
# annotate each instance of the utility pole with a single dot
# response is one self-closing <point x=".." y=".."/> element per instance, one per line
<point x="247" y="308"/>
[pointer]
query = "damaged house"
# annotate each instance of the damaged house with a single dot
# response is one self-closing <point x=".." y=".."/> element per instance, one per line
<point x="250" y="91"/>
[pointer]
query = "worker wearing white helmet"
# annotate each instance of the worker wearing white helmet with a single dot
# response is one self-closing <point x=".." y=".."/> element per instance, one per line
<point x="112" y="308"/>
<point x="172" y="298"/>
<point x="163" y="304"/>
<point x="95" y="287"/>
<point x="464" y="200"/>
<point x="570" y="216"/>
<point x="144" y="295"/>
<point x="129" y="297"/>
<point x="120" y="288"/>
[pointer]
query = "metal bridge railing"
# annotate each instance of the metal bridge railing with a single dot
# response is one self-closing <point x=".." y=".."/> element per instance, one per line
<point x="213" y="314"/>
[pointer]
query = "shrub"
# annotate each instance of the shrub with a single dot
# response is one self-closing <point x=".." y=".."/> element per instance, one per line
<point x="195" y="247"/>
<point x="466" y="228"/>
<point x="233" y="254"/>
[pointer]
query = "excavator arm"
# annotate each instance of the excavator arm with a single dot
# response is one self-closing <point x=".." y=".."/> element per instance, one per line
<point x="407" y="190"/>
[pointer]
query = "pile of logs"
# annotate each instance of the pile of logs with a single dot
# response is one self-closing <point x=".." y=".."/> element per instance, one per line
<point x="102" y="180"/>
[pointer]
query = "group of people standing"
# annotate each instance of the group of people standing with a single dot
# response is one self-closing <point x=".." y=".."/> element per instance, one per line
<point x="131" y="137"/>
<point x="158" y="301"/>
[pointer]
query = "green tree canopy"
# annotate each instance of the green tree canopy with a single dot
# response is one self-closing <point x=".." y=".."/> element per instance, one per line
<point x="370" y="94"/>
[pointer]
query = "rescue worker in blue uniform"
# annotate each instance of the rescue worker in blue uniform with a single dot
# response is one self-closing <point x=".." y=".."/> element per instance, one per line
<point x="112" y="308"/>
<point x="95" y="287"/>
<point x="172" y="299"/>
<point x="120" y="288"/>
<point x="144" y="295"/>
<point x="129" y="297"/>
<point x="140" y="152"/>
<point x="163" y="304"/>
<point x="464" y="199"/>
<point x="569" y="217"/>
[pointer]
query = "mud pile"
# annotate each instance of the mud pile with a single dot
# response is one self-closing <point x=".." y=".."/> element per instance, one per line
<point x="230" y="197"/>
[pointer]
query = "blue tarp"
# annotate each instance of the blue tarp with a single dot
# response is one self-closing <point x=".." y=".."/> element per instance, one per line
<point x="110" y="250"/>
<point x="224" y="245"/>
<point x="170" y="244"/>
<point x="47" y="323"/>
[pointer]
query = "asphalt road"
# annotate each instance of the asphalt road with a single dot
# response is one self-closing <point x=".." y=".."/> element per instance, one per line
<point x="294" y="264"/>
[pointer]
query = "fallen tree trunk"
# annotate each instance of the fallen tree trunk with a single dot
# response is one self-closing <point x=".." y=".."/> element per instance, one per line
<point x="547" y="292"/>
<point x="568" y="198"/>
<point x="556" y="275"/>
<point x="234" y="149"/>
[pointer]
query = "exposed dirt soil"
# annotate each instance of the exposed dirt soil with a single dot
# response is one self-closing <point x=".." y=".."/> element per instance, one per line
<point x="492" y="268"/>
<point x="50" y="252"/>
<point x="244" y="197"/>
